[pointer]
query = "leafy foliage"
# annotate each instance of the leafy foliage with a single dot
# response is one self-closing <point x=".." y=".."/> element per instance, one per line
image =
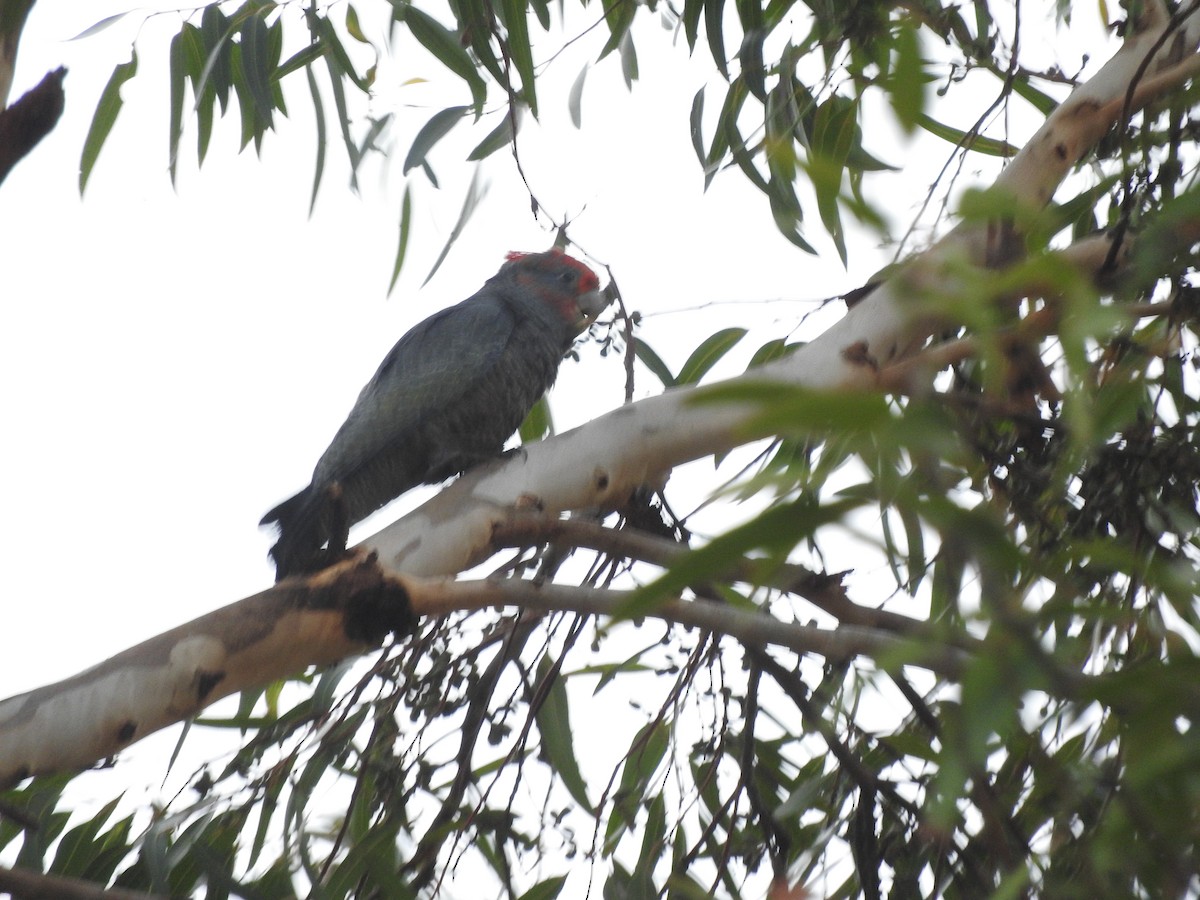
<point x="1037" y="516"/>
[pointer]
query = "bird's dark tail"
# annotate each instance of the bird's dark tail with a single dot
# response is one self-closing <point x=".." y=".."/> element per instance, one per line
<point x="306" y="522"/>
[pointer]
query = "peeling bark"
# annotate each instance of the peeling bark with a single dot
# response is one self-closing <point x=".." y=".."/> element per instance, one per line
<point x="341" y="612"/>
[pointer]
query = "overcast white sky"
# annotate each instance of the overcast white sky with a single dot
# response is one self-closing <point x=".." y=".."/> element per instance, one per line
<point x="174" y="361"/>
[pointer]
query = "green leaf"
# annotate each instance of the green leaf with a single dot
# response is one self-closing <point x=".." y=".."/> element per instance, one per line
<point x="1042" y="102"/>
<point x="299" y="60"/>
<point x="554" y="725"/>
<point x="475" y="193"/>
<point x="907" y="91"/>
<point x="97" y="27"/>
<point x="708" y="354"/>
<point x="538" y="423"/>
<point x="337" y="50"/>
<point x="619" y="16"/>
<point x="353" y="26"/>
<point x="103" y="119"/>
<point x="402" y="245"/>
<point x="79" y="847"/>
<point x="735" y="98"/>
<point x="771" y="351"/>
<point x="696" y="126"/>
<point x="177" y="75"/>
<point x="251" y="130"/>
<point x="653" y="362"/>
<point x="545" y="890"/>
<point x="477" y="20"/>
<point x="431" y="132"/>
<point x="446" y="48"/>
<point x="216" y="31"/>
<point x="691" y="21"/>
<point x="835" y="130"/>
<point x="194" y="59"/>
<point x="333" y="63"/>
<point x="319" y="117"/>
<point x="785" y="209"/>
<point x="375" y="856"/>
<point x="980" y="144"/>
<point x="750" y="54"/>
<point x="256" y="71"/>
<point x="575" y="98"/>
<point x="778" y="531"/>
<point x="629" y="63"/>
<point x="641" y="761"/>
<point x="499" y="137"/>
<point x="517" y="22"/>
<point x="541" y="9"/>
<point x="714" y="27"/>
<point x="268" y="804"/>
<point x="654" y="834"/>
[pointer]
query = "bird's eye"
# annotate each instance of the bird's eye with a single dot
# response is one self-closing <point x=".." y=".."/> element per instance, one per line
<point x="567" y="277"/>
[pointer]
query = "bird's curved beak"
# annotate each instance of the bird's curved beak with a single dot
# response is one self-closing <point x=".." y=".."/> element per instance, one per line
<point x="591" y="305"/>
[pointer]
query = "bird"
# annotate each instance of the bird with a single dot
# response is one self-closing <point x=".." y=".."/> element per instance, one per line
<point x="447" y="396"/>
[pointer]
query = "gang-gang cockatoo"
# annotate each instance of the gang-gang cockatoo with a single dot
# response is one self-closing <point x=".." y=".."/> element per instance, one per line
<point x="446" y="397"/>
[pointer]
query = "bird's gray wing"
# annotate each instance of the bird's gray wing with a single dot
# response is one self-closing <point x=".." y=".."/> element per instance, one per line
<point x="431" y="368"/>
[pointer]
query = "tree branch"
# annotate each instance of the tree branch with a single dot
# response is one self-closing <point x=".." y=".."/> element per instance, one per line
<point x="344" y="611"/>
<point x="23" y="884"/>
<point x="755" y="629"/>
<point x="30" y="119"/>
<point x="826" y="592"/>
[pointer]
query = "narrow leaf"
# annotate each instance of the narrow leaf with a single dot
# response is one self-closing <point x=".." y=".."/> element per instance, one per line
<point x="177" y="76"/>
<point x="554" y="724"/>
<point x="691" y="21"/>
<point x="538" y="423"/>
<point x="575" y="98"/>
<point x="475" y="193"/>
<point x="977" y="142"/>
<point x="104" y="118"/>
<point x="708" y="354"/>
<point x="446" y="48"/>
<point x="299" y="60"/>
<point x="353" y="27"/>
<point x="715" y="29"/>
<point x="653" y="362"/>
<point x="336" y="74"/>
<point x="629" y="63"/>
<point x="216" y="31"/>
<point x="498" y="137"/>
<point x="545" y="890"/>
<point x="402" y="244"/>
<point x="99" y="26"/>
<point x="319" y="116"/>
<point x="777" y="530"/>
<point x="431" y="132"/>
<point x="619" y="15"/>
<point x="337" y="49"/>
<point x="256" y="69"/>
<point x="194" y="57"/>
<point x="908" y="77"/>
<point x="696" y="125"/>
<point x="516" y="19"/>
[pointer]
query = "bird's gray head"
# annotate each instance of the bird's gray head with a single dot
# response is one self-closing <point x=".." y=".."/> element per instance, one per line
<point x="558" y="284"/>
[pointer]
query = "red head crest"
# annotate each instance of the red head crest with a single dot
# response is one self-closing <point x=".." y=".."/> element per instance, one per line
<point x="588" y="280"/>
